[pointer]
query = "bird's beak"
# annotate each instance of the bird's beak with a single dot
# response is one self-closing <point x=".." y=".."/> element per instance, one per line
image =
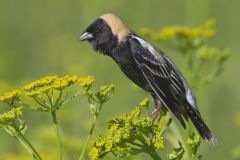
<point x="85" y="36"/>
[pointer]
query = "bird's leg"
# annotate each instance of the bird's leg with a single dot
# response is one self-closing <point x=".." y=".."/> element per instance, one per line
<point x="157" y="113"/>
<point x="153" y="112"/>
<point x="157" y="110"/>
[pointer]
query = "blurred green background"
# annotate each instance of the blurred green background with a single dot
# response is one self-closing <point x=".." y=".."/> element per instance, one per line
<point x="39" y="38"/>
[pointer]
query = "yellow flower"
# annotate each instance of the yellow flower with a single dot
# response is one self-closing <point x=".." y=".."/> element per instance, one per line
<point x="50" y="82"/>
<point x="177" y="153"/>
<point x="86" y="81"/>
<point x="183" y="31"/>
<point x="125" y="132"/>
<point x="71" y="79"/>
<point x="10" y="116"/>
<point x="158" y="142"/>
<point x="100" y="142"/>
<point x="144" y="102"/>
<point x="94" y="153"/>
<point x="209" y="33"/>
<point x="104" y="92"/>
<point x="117" y="138"/>
<point x="135" y="112"/>
<point x="173" y="155"/>
<point x="195" y="32"/>
<point x="194" y="142"/>
<point x="207" y="54"/>
<point x="62" y="82"/>
<point x="210" y="23"/>
<point x="47" y="80"/>
<point x="9" y="96"/>
<point x="40" y="83"/>
<point x="33" y="93"/>
<point x="108" y="145"/>
<point x="167" y="33"/>
<point x="170" y="32"/>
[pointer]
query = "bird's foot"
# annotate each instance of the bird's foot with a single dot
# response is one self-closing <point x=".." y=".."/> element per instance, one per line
<point x="154" y="114"/>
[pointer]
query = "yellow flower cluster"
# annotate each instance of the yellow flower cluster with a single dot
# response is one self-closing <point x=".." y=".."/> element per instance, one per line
<point x="104" y="92"/>
<point x="10" y="116"/>
<point x="173" y="155"/>
<point x="177" y="31"/>
<point x="134" y="113"/>
<point x="194" y="142"/>
<point x="158" y="141"/>
<point x="86" y="81"/>
<point x="205" y="31"/>
<point x="177" y="153"/>
<point x="206" y="54"/>
<point x="9" y="96"/>
<point x="62" y="82"/>
<point x="44" y="85"/>
<point x="145" y="102"/>
<point x="223" y="56"/>
<point x="40" y="83"/>
<point x="124" y="133"/>
<point x="94" y="154"/>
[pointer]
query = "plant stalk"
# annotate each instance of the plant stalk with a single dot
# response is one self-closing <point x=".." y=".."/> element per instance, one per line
<point x="23" y="140"/>
<point x="57" y="132"/>
<point x="154" y="155"/>
<point x="90" y="132"/>
<point x="29" y="147"/>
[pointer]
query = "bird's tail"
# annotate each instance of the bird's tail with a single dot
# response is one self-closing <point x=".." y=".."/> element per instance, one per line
<point x="200" y="125"/>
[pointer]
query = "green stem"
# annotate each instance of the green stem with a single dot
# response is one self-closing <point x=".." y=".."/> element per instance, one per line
<point x="57" y="132"/>
<point x="154" y="155"/>
<point x="30" y="147"/>
<point x="69" y="100"/>
<point x="187" y="147"/>
<point x="90" y="132"/>
<point x="58" y="99"/>
<point x="50" y="99"/>
<point x="41" y="104"/>
<point x="87" y="141"/>
<point x="23" y="140"/>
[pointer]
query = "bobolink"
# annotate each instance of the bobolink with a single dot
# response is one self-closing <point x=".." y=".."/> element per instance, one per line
<point x="148" y="67"/>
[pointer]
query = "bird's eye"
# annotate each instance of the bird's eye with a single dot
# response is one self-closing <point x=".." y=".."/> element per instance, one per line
<point x="96" y="29"/>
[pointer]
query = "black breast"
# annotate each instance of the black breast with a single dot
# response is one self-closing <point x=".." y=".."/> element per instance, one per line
<point x="123" y="57"/>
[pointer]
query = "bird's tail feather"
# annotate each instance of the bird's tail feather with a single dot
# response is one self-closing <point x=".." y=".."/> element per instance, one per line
<point x="200" y="125"/>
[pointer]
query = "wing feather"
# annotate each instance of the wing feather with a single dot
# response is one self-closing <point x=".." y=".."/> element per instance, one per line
<point x="161" y="72"/>
<point x="161" y="75"/>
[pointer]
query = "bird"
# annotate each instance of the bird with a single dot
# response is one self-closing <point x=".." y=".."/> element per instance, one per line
<point x="149" y="68"/>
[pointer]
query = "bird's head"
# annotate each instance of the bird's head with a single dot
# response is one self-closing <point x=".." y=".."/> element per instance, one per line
<point x="105" y="33"/>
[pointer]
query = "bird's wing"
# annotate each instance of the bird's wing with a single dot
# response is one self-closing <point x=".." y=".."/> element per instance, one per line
<point x="165" y="79"/>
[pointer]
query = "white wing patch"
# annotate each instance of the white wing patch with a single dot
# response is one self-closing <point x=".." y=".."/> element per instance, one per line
<point x="191" y="100"/>
<point x="150" y="48"/>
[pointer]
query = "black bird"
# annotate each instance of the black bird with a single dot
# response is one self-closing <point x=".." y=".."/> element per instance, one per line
<point x="148" y="67"/>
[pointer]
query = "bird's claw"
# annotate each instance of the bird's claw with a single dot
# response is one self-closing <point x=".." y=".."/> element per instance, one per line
<point x="154" y="114"/>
